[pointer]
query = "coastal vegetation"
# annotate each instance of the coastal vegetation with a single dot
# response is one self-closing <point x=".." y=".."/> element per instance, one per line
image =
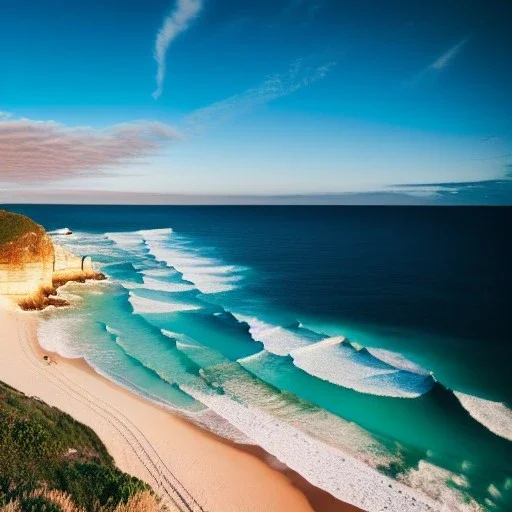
<point x="22" y="240"/>
<point x="51" y="463"/>
<point x="13" y="225"/>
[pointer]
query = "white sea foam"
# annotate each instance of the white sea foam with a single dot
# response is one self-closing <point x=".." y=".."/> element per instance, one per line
<point x="128" y="241"/>
<point x="70" y="292"/>
<point x="206" y="274"/>
<point x="432" y="479"/>
<point x="494" y="491"/>
<point x="177" y="257"/>
<point x="495" y="416"/>
<point x="162" y="233"/>
<point x="215" y="423"/>
<point x="244" y="388"/>
<point x="87" y="244"/>
<point x="61" y="231"/>
<point x="184" y="347"/>
<point x="112" y="331"/>
<point x="165" y="286"/>
<point x="344" y="476"/>
<point x="57" y="334"/>
<point x="143" y="305"/>
<point x="129" y="285"/>
<point x="212" y="267"/>
<point x="169" y="334"/>
<point x="490" y="503"/>
<point x="155" y="272"/>
<point x="322" y="345"/>
<point x="210" y="284"/>
<point x="183" y="342"/>
<point x="252" y="357"/>
<point x="74" y="291"/>
<point x="275" y="339"/>
<point x="461" y="481"/>
<point x="72" y="298"/>
<point x="207" y="280"/>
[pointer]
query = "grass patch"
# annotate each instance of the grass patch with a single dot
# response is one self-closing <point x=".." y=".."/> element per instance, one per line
<point x="22" y="240"/>
<point x="13" y="226"/>
<point x="45" y="449"/>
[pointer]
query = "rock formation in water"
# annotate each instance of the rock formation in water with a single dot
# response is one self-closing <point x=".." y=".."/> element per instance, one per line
<point x="32" y="266"/>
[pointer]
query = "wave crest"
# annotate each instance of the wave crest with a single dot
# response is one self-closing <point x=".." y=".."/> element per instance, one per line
<point x="495" y="416"/>
<point x="339" y="362"/>
<point x="142" y="305"/>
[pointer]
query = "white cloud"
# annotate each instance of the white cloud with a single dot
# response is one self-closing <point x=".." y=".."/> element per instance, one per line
<point x="178" y="21"/>
<point x="299" y="75"/>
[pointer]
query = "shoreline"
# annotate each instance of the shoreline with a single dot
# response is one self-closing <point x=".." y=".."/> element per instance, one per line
<point x="319" y="499"/>
<point x="178" y="458"/>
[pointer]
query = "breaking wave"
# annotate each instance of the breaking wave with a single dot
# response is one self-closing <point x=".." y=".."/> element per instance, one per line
<point x="142" y="305"/>
<point x="495" y="416"/>
<point x="337" y="361"/>
<point x="208" y="274"/>
<point x="276" y="339"/>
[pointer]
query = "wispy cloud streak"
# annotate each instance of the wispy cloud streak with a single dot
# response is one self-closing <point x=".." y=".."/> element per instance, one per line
<point x="37" y="151"/>
<point x="448" y="56"/>
<point x="442" y="62"/>
<point x="299" y="75"/>
<point x="178" y="21"/>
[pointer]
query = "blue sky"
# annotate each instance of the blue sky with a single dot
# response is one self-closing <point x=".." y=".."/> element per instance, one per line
<point x="265" y="98"/>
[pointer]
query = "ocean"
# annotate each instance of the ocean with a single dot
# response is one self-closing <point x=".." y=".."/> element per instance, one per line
<point x="381" y="333"/>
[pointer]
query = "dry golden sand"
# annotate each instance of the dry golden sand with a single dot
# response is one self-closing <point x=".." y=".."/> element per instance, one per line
<point x="181" y="461"/>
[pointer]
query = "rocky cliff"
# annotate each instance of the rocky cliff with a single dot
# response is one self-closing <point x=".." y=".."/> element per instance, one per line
<point x="31" y="266"/>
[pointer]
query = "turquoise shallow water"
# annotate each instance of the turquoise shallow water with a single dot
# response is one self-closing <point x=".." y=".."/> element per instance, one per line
<point x="348" y="342"/>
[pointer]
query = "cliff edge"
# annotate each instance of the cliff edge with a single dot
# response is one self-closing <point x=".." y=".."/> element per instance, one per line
<point x="32" y="267"/>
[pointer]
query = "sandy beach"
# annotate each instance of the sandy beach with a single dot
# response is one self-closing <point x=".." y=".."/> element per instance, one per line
<point x="190" y="468"/>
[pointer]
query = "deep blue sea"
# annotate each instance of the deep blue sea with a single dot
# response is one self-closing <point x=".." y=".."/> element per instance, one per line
<point x="382" y="333"/>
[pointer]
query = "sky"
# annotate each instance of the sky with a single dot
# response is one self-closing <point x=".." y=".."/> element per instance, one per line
<point x="279" y="101"/>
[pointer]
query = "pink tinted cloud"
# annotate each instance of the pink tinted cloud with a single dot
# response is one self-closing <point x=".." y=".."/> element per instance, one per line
<point x="33" y="151"/>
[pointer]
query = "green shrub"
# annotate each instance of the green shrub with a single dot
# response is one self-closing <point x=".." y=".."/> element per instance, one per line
<point x="38" y="504"/>
<point x="90" y="483"/>
<point x="13" y="225"/>
<point x="34" y="453"/>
